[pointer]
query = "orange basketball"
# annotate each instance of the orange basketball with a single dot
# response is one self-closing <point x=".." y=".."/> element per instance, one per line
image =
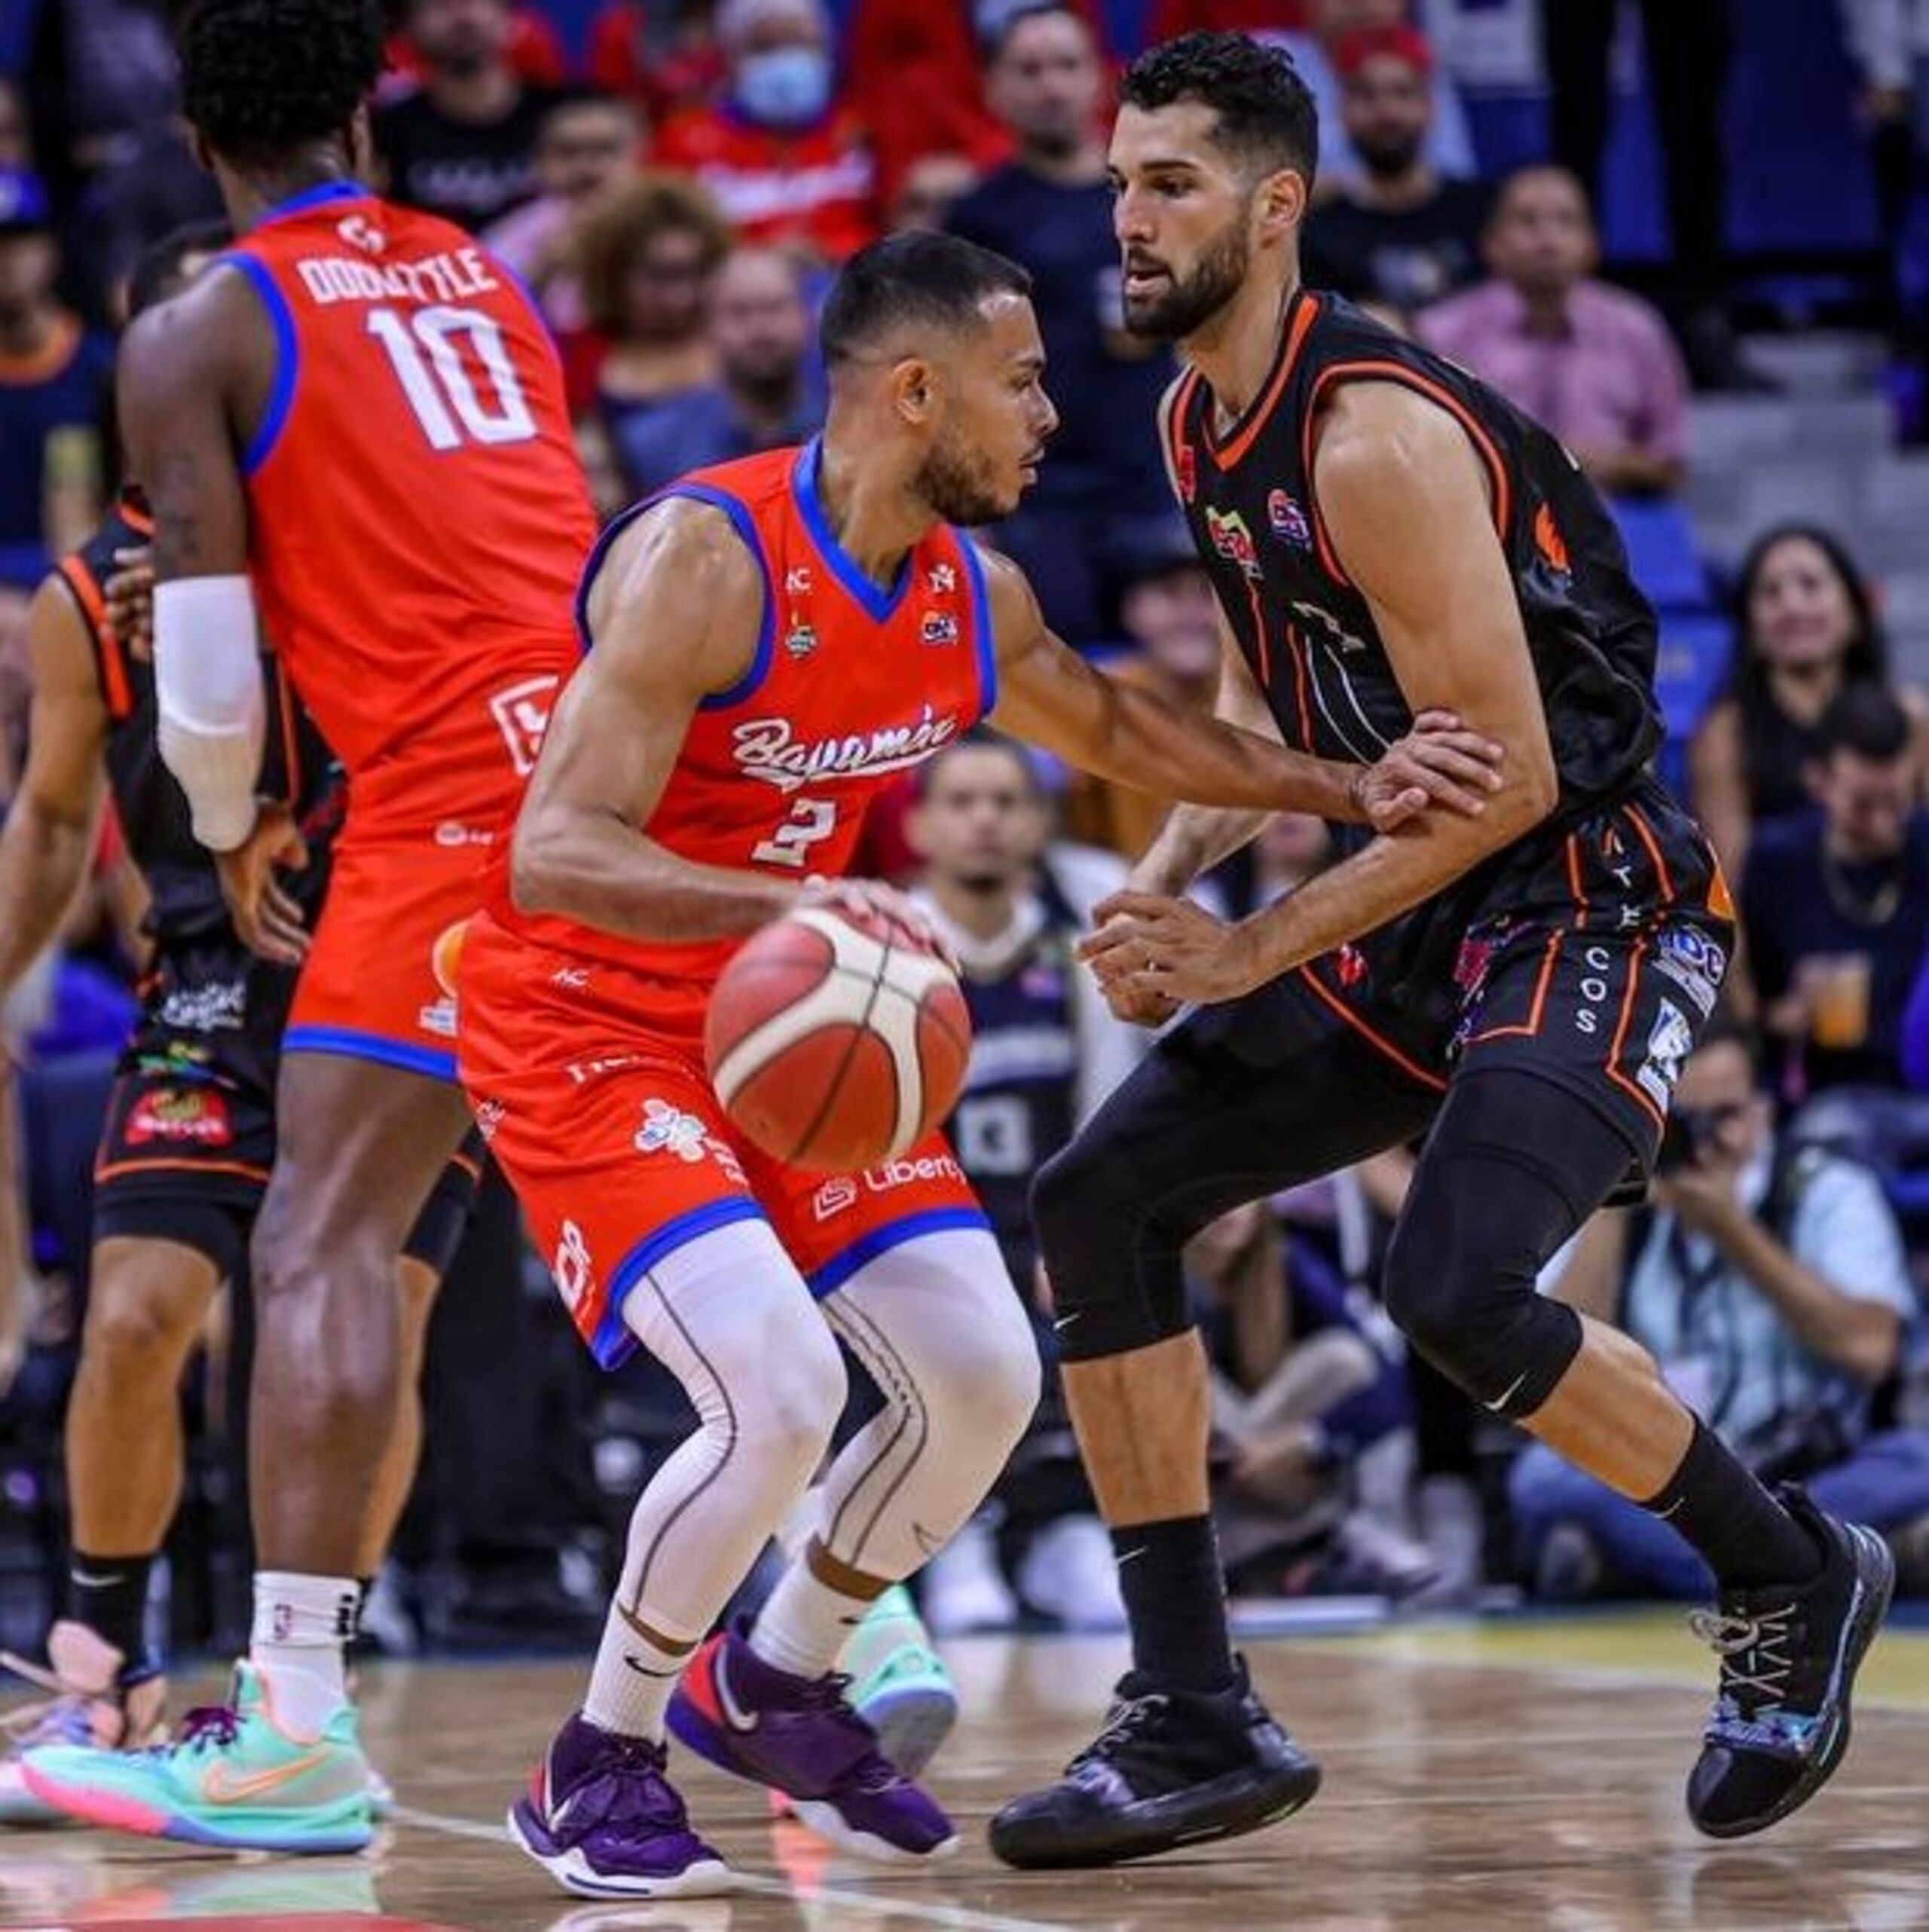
<point x="833" y="1044"/>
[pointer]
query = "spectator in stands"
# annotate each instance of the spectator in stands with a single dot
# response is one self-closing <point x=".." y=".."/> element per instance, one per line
<point x="1045" y="1052"/>
<point x="665" y="59"/>
<point x="1299" y="1389"/>
<point x="647" y="255"/>
<point x="534" y="54"/>
<point x="54" y="374"/>
<point x="1805" y="626"/>
<point x="763" y="396"/>
<point x="785" y="157"/>
<point x="157" y="190"/>
<point x="586" y="145"/>
<point x="1171" y="616"/>
<point x="1401" y="234"/>
<point x="1835" y="904"/>
<point x="930" y="188"/>
<point x="462" y="144"/>
<point x="1688" y="44"/>
<point x="1449" y="147"/>
<point x="1594" y="365"/>
<point x="1770" y="1281"/>
<point x="915" y="68"/>
<point x="1051" y="210"/>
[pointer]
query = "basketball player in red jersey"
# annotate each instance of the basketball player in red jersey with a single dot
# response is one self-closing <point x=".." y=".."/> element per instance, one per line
<point x="773" y="639"/>
<point x="353" y="430"/>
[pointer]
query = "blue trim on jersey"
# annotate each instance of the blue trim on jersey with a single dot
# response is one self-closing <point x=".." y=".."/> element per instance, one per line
<point x="317" y="197"/>
<point x="384" y="1052"/>
<point x="825" y="1282"/>
<point x="287" y="356"/>
<point x="981" y="626"/>
<point x="613" y="1343"/>
<point x="746" y="529"/>
<point x="878" y="604"/>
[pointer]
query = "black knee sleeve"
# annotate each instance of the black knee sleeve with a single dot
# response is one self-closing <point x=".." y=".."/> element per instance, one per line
<point x="1514" y="1167"/>
<point x="1116" y="1280"/>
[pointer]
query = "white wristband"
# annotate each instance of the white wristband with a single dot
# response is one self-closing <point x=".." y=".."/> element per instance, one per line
<point x="213" y="710"/>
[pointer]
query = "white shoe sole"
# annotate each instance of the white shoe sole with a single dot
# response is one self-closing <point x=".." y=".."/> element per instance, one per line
<point x="828" y="1823"/>
<point x="710" y="1878"/>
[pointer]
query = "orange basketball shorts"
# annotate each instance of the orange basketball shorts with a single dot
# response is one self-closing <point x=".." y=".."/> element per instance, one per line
<point x="593" y="1099"/>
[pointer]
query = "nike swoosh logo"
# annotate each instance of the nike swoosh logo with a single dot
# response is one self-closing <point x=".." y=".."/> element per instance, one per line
<point x="221" y="1787"/>
<point x="733" y="1713"/>
<point x="1128" y="1556"/>
<point x="642" y="1670"/>
<point x="1495" y="1408"/>
<point x="87" y="1583"/>
<point x="1065" y="1321"/>
<point x="925" y="1541"/>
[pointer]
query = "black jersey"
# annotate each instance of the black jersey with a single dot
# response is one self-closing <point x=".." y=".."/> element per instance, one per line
<point x="1309" y="635"/>
<point x="184" y="886"/>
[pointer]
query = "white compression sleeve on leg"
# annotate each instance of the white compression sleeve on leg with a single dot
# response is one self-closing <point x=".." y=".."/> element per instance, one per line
<point x="207" y="671"/>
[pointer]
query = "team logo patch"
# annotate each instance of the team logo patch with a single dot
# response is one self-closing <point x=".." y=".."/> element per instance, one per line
<point x="802" y="641"/>
<point x="1187" y="465"/>
<point x="445" y="962"/>
<point x="834" y="1198"/>
<point x="941" y="579"/>
<point x="939" y="627"/>
<point x="669" y="1129"/>
<point x="797" y="582"/>
<point x="198" y="1118"/>
<point x="1233" y="540"/>
<point x="1670" y="1042"/>
<point x="1549" y="541"/>
<point x="1695" y="963"/>
<point x="1288" y="520"/>
<point x="574" y="1272"/>
<point x="222" y="1006"/>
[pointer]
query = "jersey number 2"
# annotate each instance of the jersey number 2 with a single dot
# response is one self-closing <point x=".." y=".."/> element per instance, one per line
<point x="810" y="821"/>
<point x="437" y="378"/>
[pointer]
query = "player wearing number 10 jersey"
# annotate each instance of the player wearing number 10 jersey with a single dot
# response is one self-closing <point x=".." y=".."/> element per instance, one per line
<point x="354" y="432"/>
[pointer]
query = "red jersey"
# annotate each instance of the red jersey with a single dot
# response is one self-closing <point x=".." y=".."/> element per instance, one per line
<point x="851" y="683"/>
<point x="417" y="513"/>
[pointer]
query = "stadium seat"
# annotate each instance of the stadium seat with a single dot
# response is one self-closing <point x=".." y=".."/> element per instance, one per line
<point x="1660" y="547"/>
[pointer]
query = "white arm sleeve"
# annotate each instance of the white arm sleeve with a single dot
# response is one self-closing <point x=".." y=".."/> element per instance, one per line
<point x="207" y="669"/>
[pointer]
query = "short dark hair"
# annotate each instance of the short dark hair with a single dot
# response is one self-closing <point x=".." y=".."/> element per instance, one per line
<point x="935" y="280"/>
<point x="1726" y="1028"/>
<point x="982" y="737"/>
<point x="1868" y="720"/>
<point x="159" y="272"/>
<point x="999" y="24"/>
<point x="1268" y="119"/>
<point x="260" y="78"/>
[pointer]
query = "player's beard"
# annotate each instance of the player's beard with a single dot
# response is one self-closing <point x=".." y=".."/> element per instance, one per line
<point x="957" y="483"/>
<point x="1185" y="306"/>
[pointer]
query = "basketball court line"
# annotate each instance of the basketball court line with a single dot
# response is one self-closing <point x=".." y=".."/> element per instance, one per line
<point x="895" y="1905"/>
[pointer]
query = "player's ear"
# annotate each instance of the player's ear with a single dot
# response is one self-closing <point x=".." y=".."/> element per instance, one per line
<point x="915" y="389"/>
<point x="1281" y="201"/>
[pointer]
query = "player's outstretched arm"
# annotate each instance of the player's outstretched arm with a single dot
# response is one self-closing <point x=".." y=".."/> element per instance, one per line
<point x="49" y="835"/>
<point x="1049" y="695"/>
<point x="194" y="375"/>
<point x="1405" y="506"/>
<point x="674" y="613"/>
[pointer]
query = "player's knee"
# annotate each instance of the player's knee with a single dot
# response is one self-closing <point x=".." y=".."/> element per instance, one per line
<point x="141" y="1322"/>
<point x="988" y="1381"/>
<point x="791" y="1415"/>
<point x="1073" y="1206"/>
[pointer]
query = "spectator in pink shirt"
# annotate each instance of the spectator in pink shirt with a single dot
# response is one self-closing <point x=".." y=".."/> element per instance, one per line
<point x="1594" y="365"/>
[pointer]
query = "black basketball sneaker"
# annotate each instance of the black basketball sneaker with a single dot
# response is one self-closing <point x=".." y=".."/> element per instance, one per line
<point x="1171" y="1767"/>
<point x="1789" y="1656"/>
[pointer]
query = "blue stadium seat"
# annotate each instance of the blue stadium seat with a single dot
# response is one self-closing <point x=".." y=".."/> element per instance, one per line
<point x="1689" y="667"/>
<point x="1660" y="547"/>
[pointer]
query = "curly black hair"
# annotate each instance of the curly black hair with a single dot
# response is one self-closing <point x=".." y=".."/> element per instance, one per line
<point x="261" y="77"/>
<point x="1267" y="118"/>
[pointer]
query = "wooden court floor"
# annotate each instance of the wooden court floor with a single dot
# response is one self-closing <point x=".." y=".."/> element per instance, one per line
<point x="1494" y="1775"/>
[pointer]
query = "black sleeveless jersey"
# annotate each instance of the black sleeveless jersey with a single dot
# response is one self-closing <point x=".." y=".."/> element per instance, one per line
<point x="1309" y="635"/>
<point x="297" y="766"/>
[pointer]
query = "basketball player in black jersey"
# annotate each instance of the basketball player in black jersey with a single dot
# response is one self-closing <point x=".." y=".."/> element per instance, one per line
<point x="189" y="1137"/>
<point x="1385" y="533"/>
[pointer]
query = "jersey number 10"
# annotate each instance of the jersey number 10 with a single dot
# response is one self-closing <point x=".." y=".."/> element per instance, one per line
<point x="425" y="349"/>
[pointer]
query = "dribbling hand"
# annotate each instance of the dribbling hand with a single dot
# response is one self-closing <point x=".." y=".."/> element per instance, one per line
<point x="269" y="921"/>
<point x="873" y="905"/>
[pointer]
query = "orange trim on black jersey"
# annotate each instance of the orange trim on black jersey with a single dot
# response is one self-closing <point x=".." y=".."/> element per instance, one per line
<point x="136" y="516"/>
<point x="1411" y="1067"/>
<point x="1377" y="370"/>
<point x="1245" y="431"/>
<point x="1574" y="884"/>
<point x="113" y="1170"/>
<point x="1661" y="873"/>
<point x="115" y="687"/>
<point x="1186" y="389"/>
<point x="1527" y="1028"/>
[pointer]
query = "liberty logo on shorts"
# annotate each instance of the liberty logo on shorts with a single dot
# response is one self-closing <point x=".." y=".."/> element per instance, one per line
<point x="575" y="1273"/>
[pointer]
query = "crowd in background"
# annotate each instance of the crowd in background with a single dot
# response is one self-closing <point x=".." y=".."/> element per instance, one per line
<point x="676" y="190"/>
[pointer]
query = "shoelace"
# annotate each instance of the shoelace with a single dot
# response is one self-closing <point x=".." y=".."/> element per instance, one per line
<point x="206" y="1727"/>
<point x="868" y="1770"/>
<point x="637" y="1792"/>
<point x="1125" y="1724"/>
<point x="1756" y="1667"/>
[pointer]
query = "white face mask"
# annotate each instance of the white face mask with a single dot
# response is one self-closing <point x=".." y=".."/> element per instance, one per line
<point x="789" y="87"/>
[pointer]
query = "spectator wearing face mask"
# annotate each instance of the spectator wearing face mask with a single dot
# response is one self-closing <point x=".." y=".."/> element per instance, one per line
<point x="1400" y="234"/>
<point x="783" y="154"/>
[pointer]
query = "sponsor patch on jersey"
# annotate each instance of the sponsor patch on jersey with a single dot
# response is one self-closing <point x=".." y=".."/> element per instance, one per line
<point x="196" y="1118"/>
<point x="1186" y="464"/>
<point x="834" y="1198"/>
<point x="939" y="627"/>
<point x="669" y="1129"/>
<point x="1670" y="1042"/>
<point x="1233" y="540"/>
<point x="801" y="641"/>
<point x="1288" y="521"/>
<point x="222" y="1006"/>
<point x="1695" y="963"/>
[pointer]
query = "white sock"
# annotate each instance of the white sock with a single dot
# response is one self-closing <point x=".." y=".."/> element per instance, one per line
<point x="632" y="1680"/>
<point x="301" y="1626"/>
<point x="804" y="1624"/>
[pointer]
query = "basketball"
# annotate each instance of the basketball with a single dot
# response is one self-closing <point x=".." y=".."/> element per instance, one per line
<point x="835" y="1042"/>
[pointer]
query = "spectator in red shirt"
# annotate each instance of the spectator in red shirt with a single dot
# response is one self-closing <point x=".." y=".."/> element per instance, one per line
<point x="664" y="64"/>
<point x="785" y="157"/>
<point x="534" y="55"/>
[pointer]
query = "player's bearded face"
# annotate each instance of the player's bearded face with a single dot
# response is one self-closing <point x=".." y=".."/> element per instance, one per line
<point x="961" y="483"/>
<point x="1178" y="302"/>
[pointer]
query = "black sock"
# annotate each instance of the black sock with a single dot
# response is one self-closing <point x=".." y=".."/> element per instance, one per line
<point x="109" y="1595"/>
<point x="1176" y="1600"/>
<point x="1747" y="1537"/>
